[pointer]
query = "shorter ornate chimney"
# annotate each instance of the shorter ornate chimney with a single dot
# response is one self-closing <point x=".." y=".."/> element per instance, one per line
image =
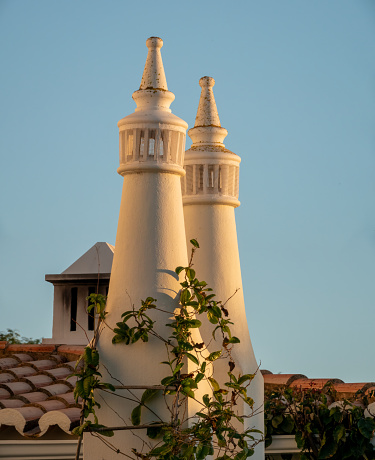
<point x="210" y="194"/>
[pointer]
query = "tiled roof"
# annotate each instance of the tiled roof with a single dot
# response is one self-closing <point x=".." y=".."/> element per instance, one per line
<point x="343" y="390"/>
<point x="36" y="390"/>
<point x="272" y="381"/>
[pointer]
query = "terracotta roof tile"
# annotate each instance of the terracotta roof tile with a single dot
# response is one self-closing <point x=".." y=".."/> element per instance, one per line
<point x="6" y="377"/>
<point x="22" y="357"/>
<point x="22" y="371"/>
<point x="306" y="383"/>
<point x="6" y="363"/>
<point x="11" y="403"/>
<point x="281" y="379"/>
<point x="29" y="348"/>
<point x="35" y="396"/>
<point x="66" y="419"/>
<point x="36" y="387"/>
<point x="71" y="349"/>
<point x="16" y="388"/>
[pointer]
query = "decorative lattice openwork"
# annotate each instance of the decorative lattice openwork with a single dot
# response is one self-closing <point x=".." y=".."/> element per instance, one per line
<point x="152" y="145"/>
<point x="211" y="179"/>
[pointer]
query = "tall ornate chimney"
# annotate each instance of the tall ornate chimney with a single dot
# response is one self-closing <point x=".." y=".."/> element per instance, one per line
<point x="150" y="244"/>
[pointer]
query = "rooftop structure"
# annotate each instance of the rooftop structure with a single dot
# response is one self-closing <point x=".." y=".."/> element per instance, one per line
<point x="89" y="274"/>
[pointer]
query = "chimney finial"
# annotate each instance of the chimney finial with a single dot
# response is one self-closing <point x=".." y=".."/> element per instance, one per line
<point x="207" y="111"/>
<point x="153" y="74"/>
<point x="207" y="129"/>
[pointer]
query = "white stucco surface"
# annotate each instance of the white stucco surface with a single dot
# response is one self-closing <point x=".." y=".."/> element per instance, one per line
<point x="150" y="244"/>
<point x="209" y="205"/>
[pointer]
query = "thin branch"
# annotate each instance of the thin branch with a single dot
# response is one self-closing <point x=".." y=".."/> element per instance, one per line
<point x="88" y="340"/>
<point x="110" y="445"/>
<point x="141" y="387"/>
<point x="129" y="427"/>
<point x="228" y="299"/>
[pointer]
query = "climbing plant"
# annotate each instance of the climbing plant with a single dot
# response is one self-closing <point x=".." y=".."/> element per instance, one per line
<point x="324" y="427"/>
<point x="218" y="427"/>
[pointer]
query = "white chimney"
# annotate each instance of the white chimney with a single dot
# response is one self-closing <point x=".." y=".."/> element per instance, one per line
<point x="150" y="244"/>
<point x="210" y="194"/>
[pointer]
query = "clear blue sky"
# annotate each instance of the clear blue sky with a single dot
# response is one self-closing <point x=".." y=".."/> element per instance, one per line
<point x="295" y="89"/>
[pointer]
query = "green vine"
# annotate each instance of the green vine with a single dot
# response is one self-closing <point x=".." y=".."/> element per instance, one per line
<point x="89" y="377"/>
<point x="322" y="430"/>
<point x="214" y="430"/>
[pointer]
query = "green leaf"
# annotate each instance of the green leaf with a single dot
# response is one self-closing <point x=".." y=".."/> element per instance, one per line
<point x="193" y="323"/>
<point x="88" y="355"/>
<point x="150" y="300"/>
<point x="185" y="346"/>
<point x="190" y="273"/>
<point x="78" y="390"/>
<point x="167" y="381"/>
<point x="127" y="313"/>
<point x="199" y="377"/>
<point x="95" y="357"/>
<point x="214" y="355"/>
<point x="95" y="426"/>
<point x="287" y="425"/>
<point x="194" y="243"/>
<point x="187" y="452"/>
<point x="162" y="450"/>
<point x="136" y="415"/>
<point x="245" y="377"/>
<point x="339" y="432"/>
<point x="328" y="450"/>
<point x="206" y="400"/>
<point x="154" y="432"/>
<point x="87" y="385"/>
<point x="216" y="310"/>
<point x="188" y="392"/>
<point x="177" y="369"/>
<point x="234" y="340"/>
<point x="203" y="367"/>
<point x="366" y="427"/>
<point x="178" y="270"/>
<point x="202" y="451"/>
<point x="300" y="440"/>
<point x="192" y="358"/>
<point x="109" y="386"/>
<point x="241" y="455"/>
<point x="148" y="394"/>
<point x="214" y="384"/>
<point x="120" y="338"/>
<point x="277" y="420"/>
<point x="77" y="430"/>
<point x="212" y="318"/>
<point x="185" y="296"/>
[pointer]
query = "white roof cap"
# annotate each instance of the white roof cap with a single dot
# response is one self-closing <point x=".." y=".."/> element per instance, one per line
<point x="97" y="259"/>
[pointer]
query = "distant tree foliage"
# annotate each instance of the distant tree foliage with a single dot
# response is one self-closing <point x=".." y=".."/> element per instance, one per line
<point x="13" y="336"/>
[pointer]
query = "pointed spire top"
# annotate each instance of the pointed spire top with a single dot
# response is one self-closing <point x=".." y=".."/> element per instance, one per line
<point x="153" y="74"/>
<point x="207" y="111"/>
<point x="207" y="128"/>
